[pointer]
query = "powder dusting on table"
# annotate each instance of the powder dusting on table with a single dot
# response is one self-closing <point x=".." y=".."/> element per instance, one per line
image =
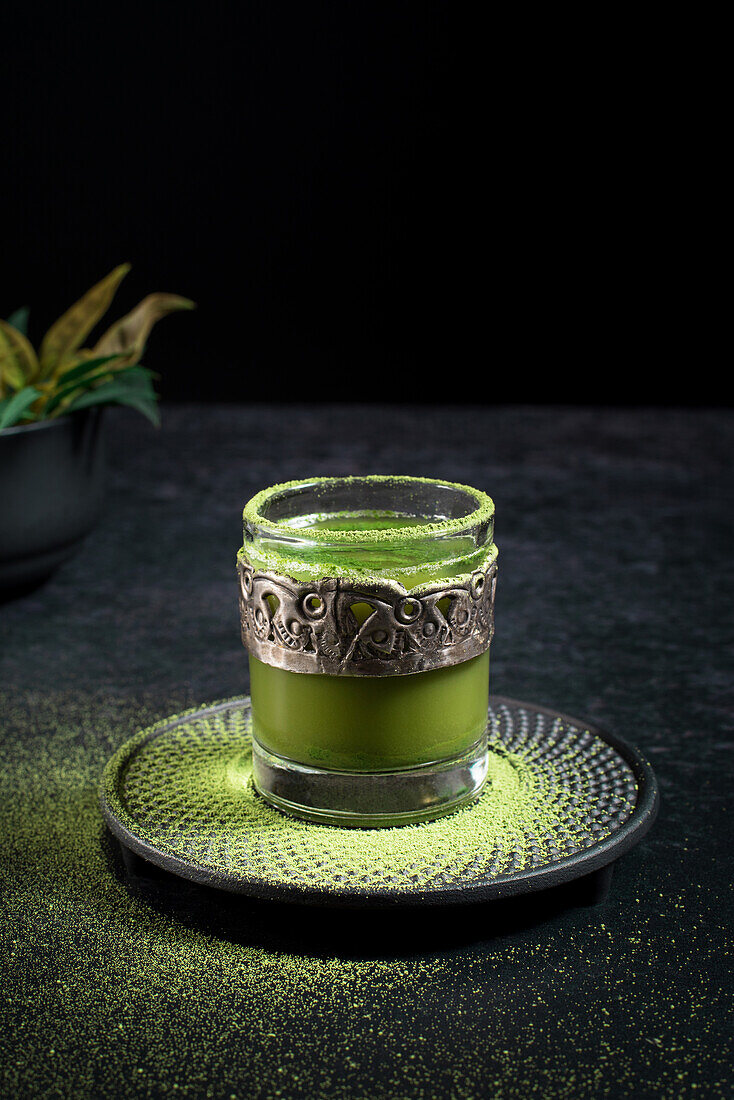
<point x="110" y="990"/>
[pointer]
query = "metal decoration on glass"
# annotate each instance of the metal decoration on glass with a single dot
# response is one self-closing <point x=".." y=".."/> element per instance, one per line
<point x="310" y="627"/>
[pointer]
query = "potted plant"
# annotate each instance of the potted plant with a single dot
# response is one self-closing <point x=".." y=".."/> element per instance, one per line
<point x="51" y="459"/>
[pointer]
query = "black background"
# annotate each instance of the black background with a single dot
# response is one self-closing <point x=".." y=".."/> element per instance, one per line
<point x="358" y="196"/>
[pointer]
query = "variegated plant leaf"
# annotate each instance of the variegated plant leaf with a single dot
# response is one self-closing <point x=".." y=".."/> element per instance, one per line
<point x="83" y="365"/>
<point x="127" y="336"/>
<point x="70" y="360"/>
<point x="18" y="362"/>
<point x="11" y="376"/>
<point x="71" y="329"/>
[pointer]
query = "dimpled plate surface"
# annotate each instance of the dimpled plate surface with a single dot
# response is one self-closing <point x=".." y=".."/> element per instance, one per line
<point x="563" y="799"/>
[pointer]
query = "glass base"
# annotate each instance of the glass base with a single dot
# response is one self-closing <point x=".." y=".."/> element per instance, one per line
<point x="370" y="799"/>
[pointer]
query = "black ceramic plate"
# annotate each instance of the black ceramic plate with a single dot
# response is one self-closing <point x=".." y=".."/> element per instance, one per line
<point x="563" y="800"/>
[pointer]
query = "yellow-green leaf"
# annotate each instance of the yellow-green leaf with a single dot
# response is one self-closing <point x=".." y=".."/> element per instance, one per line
<point x="18" y="362"/>
<point x="127" y="336"/>
<point x="66" y="334"/>
<point x="11" y="376"/>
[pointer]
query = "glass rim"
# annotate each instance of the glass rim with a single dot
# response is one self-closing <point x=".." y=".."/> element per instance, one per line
<point x="254" y="517"/>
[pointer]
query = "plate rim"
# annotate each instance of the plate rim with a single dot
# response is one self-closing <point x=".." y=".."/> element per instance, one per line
<point x="598" y="855"/>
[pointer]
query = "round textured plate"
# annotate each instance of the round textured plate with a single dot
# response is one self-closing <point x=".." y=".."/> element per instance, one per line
<point x="563" y="799"/>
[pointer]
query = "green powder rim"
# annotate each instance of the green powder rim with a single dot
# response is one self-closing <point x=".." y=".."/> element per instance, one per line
<point x="482" y="513"/>
<point x="285" y="558"/>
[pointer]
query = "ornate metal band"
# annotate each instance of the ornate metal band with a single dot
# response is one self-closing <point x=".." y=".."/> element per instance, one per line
<point x="342" y="628"/>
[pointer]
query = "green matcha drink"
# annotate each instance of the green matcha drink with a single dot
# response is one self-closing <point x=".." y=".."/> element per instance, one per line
<point x="344" y="677"/>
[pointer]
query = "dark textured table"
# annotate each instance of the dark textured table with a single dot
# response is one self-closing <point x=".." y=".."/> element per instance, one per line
<point x="615" y="531"/>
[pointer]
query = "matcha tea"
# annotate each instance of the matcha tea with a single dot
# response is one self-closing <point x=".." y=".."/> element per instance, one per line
<point x="362" y="723"/>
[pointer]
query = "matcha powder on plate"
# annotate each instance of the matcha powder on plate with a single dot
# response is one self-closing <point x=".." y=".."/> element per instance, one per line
<point x="185" y="788"/>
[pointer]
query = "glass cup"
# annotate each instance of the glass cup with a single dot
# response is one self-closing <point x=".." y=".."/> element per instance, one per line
<point x="367" y="610"/>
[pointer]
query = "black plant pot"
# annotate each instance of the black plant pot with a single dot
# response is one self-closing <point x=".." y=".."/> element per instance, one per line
<point x="50" y="490"/>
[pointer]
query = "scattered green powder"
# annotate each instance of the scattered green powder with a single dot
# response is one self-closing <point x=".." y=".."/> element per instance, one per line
<point x="115" y="989"/>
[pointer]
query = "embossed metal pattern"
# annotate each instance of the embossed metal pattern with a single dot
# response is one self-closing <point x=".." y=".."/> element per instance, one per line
<point x="312" y="627"/>
<point x="181" y="795"/>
